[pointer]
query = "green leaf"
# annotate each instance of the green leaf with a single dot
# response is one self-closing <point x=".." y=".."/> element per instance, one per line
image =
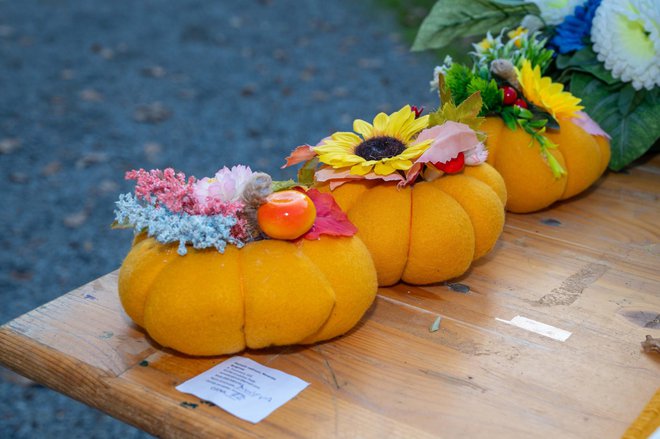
<point x="584" y="60"/>
<point x="471" y="106"/>
<point x="551" y="122"/>
<point x="631" y="121"/>
<point x="523" y="112"/>
<point x="457" y="80"/>
<point x="509" y="120"/>
<point x="467" y="112"/>
<point x="277" y="186"/>
<point x="538" y="123"/>
<point x="510" y="2"/>
<point x="451" y="19"/>
<point x="555" y="166"/>
<point x="307" y="172"/>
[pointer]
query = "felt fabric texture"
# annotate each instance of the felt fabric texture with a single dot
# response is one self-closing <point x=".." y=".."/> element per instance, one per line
<point x="347" y="194"/>
<point x="441" y="238"/>
<point x="487" y="174"/>
<point x="287" y="298"/>
<point x="267" y="293"/>
<point x="348" y="267"/>
<point x="581" y="154"/>
<point x="605" y="153"/>
<point x="482" y="205"/>
<point x="382" y="216"/>
<point x="187" y="312"/>
<point x="530" y="183"/>
<point x="140" y="267"/>
<point x="422" y="234"/>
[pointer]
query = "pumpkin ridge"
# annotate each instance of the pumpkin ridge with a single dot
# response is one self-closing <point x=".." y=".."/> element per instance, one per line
<point x="493" y="132"/>
<point x="440" y="224"/>
<point x="409" y="230"/>
<point x="242" y="290"/>
<point x="127" y="285"/>
<point x="345" y="263"/>
<point x="379" y="218"/>
<point x="486" y="217"/>
<point x="285" y="297"/>
<point x="325" y="279"/>
<point x="185" y="310"/>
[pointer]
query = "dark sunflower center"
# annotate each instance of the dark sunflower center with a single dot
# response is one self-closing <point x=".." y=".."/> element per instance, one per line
<point x="378" y="148"/>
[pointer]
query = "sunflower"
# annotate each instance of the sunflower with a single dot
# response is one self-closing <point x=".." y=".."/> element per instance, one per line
<point x="544" y="93"/>
<point x="386" y="146"/>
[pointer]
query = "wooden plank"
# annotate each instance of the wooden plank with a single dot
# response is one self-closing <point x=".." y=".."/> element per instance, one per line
<point x="595" y="274"/>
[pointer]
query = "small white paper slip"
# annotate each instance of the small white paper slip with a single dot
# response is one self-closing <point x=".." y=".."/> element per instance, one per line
<point x="537" y="327"/>
<point x="244" y="388"/>
<point x="656" y="434"/>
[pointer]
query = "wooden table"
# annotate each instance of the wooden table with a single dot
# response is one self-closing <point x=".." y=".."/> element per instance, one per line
<point x="590" y="266"/>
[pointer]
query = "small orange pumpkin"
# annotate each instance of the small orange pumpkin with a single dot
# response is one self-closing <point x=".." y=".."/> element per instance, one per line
<point x="267" y="293"/>
<point x="428" y="232"/>
<point x="530" y="183"/>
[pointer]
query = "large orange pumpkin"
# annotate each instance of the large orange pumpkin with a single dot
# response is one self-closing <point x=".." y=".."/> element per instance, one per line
<point x="267" y="293"/>
<point x="530" y="183"/>
<point x="428" y="232"/>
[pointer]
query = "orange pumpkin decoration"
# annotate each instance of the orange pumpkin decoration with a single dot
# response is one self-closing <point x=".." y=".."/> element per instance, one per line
<point x="530" y="183"/>
<point x="428" y="232"/>
<point x="267" y="293"/>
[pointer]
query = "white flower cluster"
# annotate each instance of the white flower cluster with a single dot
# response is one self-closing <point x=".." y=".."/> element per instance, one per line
<point x="553" y="12"/>
<point x="447" y="62"/>
<point x="626" y="37"/>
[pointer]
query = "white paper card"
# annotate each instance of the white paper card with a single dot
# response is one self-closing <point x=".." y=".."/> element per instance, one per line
<point x="244" y="388"/>
<point x="538" y="327"/>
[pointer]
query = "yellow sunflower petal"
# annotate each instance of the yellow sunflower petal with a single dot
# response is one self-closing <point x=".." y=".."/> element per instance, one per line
<point x="380" y="124"/>
<point x="361" y="169"/>
<point x="544" y="93"/>
<point x="384" y="168"/>
<point x="400" y="164"/>
<point x="365" y="129"/>
<point x="414" y="151"/>
<point x="398" y="121"/>
<point x="336" y="148"/>
<point x="413" y="128"/>
<point x="347" y="137"/>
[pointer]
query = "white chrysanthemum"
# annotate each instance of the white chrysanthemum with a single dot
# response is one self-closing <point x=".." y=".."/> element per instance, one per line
<point x="554" y="11"/>
<point x="626" y="37"/>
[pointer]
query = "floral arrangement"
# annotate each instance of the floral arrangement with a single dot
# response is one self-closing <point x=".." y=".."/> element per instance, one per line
<point x="509" y="77"/>
<point x="605" y="52"/>
<point x="234" y="207"/>
<point x="416" y="186"/>
<point x="402" y="147"/>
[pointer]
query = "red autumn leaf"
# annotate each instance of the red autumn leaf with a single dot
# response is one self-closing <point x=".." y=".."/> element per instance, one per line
<point x="301" y="154"/>
<point x="330" y="219"/>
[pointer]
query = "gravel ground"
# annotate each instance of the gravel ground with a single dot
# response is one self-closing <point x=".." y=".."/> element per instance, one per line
<point x="91" y="89"/>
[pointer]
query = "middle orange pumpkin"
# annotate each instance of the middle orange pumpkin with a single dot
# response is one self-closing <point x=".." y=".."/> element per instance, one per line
<point x="428" y="232"/>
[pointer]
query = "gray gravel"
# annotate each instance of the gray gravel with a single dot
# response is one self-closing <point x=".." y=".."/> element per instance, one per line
<point x="91" y="89"/>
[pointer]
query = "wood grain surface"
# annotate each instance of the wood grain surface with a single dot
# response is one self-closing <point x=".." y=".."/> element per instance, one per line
<point x="590" y="266"/>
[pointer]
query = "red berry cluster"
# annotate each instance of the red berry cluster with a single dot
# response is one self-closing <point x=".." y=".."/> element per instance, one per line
<point x="511" y="97"/>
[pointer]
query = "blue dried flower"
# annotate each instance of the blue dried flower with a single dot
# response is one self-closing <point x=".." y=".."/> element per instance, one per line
<point x="166" y="227"/>
<point x="573" y="33"/>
